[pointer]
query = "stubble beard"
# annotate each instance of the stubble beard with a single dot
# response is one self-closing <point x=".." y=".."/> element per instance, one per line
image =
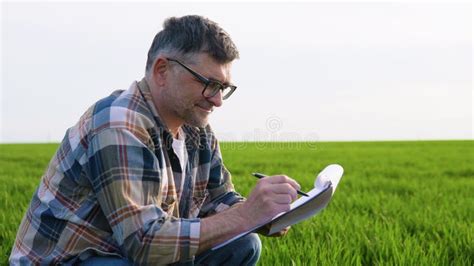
<point x="193" y="119"/>
<point x="185" y="108"/>
<point x="189" y="113"/>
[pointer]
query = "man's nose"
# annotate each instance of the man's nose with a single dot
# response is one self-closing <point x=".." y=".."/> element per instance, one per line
<point x="216" y="100"/>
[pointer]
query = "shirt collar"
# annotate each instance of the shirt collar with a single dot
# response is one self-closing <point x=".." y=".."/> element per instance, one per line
<point x="146" y="92"/>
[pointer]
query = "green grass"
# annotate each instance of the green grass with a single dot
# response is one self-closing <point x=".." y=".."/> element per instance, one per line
<point x="399" y="203"/>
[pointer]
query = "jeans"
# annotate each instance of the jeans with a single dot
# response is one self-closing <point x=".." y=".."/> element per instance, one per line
<point x="244" y="251"/>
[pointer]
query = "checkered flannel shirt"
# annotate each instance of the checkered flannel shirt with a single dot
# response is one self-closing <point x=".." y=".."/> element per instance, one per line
<point x="113" y="188"/>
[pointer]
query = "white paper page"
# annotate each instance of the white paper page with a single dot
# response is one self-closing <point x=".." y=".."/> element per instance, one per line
<point x="331" y="175"/>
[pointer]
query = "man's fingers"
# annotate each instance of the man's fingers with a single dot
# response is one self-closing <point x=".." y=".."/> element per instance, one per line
<point x="272" y="195"/>
<point x="277" y="179"/>
<point x="284" y="189"/>
<point x="282" y="198"/>
<point x="272" y="189"/>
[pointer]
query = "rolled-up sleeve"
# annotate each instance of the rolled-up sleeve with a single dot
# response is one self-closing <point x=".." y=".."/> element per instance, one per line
<point x="126" y="178"/>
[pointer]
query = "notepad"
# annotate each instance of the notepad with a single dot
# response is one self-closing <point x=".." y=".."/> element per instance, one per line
<point x="303" y="208"/>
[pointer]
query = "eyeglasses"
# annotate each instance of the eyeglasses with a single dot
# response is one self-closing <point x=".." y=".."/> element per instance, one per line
<point x="211" y="86"/>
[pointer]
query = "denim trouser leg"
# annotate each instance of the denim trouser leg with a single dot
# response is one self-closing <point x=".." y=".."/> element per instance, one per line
<point x="244" y="251"/>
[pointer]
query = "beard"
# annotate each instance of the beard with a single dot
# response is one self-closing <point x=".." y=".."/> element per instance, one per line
<point x="185" y="106"/>
<point x="194" y="117"/>
<point x="190" y="113"/>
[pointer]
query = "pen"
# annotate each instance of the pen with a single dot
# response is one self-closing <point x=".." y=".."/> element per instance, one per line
<point x="259" y="175"/>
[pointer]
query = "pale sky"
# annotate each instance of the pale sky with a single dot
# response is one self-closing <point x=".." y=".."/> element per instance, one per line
<point x="308" y="71"/>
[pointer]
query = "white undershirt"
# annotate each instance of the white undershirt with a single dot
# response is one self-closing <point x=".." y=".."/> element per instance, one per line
<point x="179" y="148"/>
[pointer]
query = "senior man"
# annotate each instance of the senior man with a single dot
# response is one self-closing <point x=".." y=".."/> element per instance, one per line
<point x="140" y="178"/>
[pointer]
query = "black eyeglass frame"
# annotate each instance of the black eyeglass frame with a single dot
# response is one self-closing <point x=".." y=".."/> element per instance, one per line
<point x="207" y="81"/>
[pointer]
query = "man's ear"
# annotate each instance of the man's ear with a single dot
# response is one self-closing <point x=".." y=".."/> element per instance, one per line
<point x="160" y="71"/>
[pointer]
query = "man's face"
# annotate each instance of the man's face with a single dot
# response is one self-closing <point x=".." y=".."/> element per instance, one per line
<point x="186" y="102"/>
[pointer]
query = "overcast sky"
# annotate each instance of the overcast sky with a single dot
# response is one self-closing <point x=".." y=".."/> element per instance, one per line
<point x="308" y="71"/>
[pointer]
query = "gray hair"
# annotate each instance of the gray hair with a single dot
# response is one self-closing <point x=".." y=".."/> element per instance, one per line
<point x="185" y="36"/>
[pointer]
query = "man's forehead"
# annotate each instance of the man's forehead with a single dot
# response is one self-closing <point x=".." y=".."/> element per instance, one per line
<point x="210" y="68"/>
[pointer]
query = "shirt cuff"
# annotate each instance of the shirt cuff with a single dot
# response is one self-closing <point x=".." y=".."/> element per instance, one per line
<point x="190" y="235"/>
<point x="221" y="203"/>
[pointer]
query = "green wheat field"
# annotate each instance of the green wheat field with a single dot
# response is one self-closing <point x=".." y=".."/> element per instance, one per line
<point x="398" y="203"/>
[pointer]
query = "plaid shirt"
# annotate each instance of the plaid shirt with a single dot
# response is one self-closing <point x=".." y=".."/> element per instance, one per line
<point x="113" y="188"/>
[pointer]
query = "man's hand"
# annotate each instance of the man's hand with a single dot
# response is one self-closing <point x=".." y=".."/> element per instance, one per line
<point x="271" y="195"/>
<point x="264" y="230"/>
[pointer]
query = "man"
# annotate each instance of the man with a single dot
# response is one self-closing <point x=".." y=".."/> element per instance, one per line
<point x="140" y="178"/>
